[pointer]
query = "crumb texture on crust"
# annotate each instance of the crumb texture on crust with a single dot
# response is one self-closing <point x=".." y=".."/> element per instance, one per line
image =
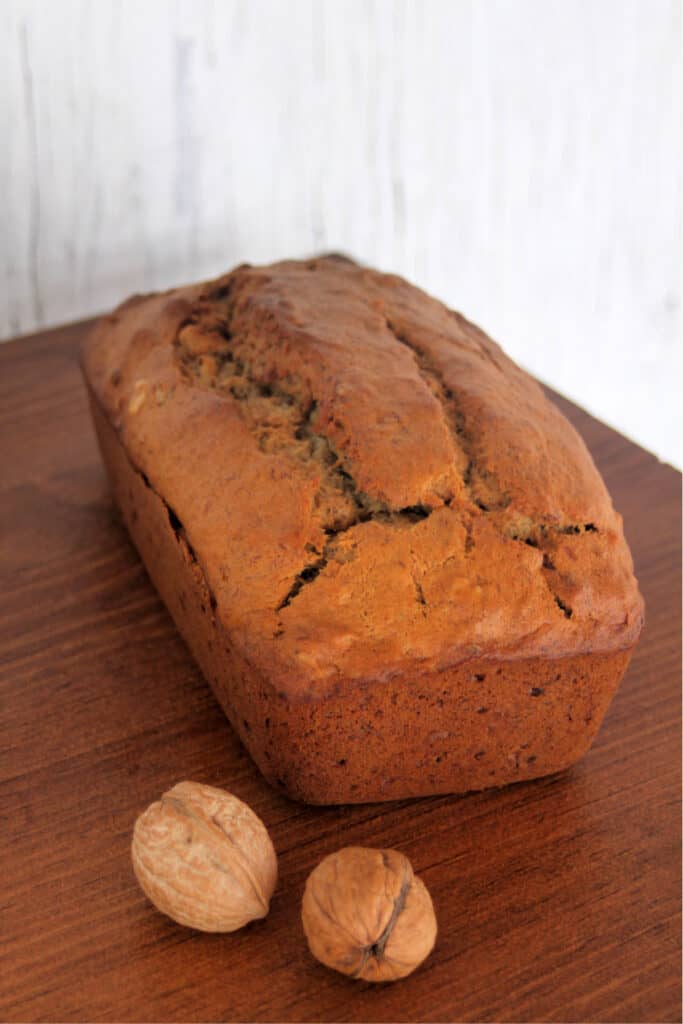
<point x="368" y="484"/>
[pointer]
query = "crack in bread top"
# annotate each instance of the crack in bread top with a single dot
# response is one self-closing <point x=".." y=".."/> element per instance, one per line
<point x="364" y="476"/>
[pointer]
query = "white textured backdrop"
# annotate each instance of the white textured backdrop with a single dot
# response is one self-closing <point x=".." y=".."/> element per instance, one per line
<point x="519" y="158"/>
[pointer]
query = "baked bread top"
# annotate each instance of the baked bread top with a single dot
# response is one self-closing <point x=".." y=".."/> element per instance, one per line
<point x="368" y="484"/>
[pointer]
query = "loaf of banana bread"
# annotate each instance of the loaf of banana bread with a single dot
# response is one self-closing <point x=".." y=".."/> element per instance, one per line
<point x="391" y="555"/>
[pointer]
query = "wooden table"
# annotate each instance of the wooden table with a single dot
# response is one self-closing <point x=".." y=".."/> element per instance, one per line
<point x="557" y="900"/>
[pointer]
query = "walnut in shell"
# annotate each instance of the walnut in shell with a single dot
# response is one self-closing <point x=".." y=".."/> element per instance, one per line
<point x="366" y="914"/>
<point x="204" y="858"/>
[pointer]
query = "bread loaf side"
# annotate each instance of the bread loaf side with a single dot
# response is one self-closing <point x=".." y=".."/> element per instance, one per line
<point x="391" y="555"/>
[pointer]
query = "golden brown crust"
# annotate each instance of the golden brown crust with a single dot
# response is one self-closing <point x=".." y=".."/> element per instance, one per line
<point x="484" y="722"/>
<point x="368" y="483"/>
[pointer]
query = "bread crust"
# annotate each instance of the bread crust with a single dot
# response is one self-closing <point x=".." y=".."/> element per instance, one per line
<point x="392" y="557"/>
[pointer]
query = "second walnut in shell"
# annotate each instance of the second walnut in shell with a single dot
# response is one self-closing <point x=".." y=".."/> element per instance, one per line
<point x="204" y="858"/>
<point x="367" y="915"/>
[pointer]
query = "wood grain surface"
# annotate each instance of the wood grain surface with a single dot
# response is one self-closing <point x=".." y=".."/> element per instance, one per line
<point x="557" y="900"/>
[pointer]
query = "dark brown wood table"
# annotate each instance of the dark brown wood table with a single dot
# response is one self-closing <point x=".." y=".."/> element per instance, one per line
<point x="557" y="900"/>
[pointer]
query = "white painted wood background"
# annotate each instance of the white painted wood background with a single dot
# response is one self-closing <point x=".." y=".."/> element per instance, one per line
<point x="519" y="158"/>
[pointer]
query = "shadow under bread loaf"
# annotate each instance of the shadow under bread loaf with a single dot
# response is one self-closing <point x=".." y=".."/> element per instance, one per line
<point x="391" y="555"/>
